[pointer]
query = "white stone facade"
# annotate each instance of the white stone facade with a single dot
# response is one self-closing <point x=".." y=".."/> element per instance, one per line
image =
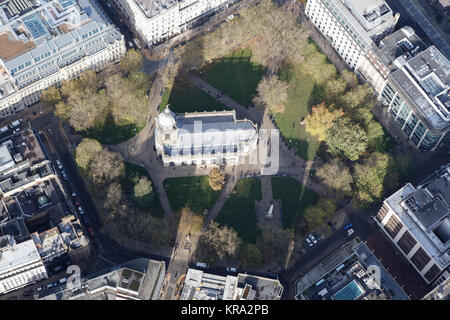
<point x="157" y="20"/>
<point x="81" y="38"/>
<point x="204" y="138"/>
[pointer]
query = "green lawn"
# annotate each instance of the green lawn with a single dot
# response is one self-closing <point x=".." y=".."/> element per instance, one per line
<point x="191" y="99"/>
<point x="192" y="192"/>
<point x="150" y="202"/>
<point x="239" y="210"/>
<point x="235" y="75"/>
<point x="111" y="132"/>
<point x="302" y="94"/>
<point x="294" y="199"/>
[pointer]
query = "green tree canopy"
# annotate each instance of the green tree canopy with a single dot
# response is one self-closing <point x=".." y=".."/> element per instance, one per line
<point x="346" y="139"/>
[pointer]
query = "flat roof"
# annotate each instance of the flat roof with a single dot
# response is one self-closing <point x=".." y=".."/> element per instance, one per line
<point x="23" y="253"/>
<point x="153" y="7"/>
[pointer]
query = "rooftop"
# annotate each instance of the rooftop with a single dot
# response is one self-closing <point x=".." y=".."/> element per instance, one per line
<point x="154" y="7"/>
<point x="19" y="254"/>
<point x="402" y="42"/>
<point x="425" y="211"/>
<point x="425" y="82"/>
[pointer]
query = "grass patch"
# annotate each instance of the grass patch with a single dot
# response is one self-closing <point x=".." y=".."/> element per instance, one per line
<point x="294" y="199"/>
<point x="111" y="132"/>
<point x="302" y="94"/>
<point x="149" y="202"/>
<point x="235" y="75"/>
<point x="190" y="99"/>
<point x="239" y="210"/>
<point x="192" y="192"/>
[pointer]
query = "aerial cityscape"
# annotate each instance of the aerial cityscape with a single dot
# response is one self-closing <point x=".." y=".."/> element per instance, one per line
<point x="245" y="150"/>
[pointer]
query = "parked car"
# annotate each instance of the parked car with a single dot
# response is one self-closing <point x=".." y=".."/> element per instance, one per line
<point x="64" y="175"/>
<point x="14" y="124"/>
<point x="313" y="239"/>
<point x="74" y="194"/>
<point x="51" y="285"/>
<point x="309" y="242"/>
<point x="231" y="269"/>
<point x="348" y="226"/>
<point x="41" y="288"/>
<point x="91" y="232"/>
<point x="76" y="201"/>
<point x="202" y="265"/>
<point x="63" y="280"/>
<point x="80" y="209"/>
<point x="59" y="164"/>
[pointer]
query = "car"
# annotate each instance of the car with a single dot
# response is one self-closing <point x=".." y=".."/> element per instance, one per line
<point x="59" y="164"/>
<point x="231" y="269"/>
<point x="16" y="130"/>
<point x="41" y="288"/>
<point x="64" y="175"/>
<point x="74" y="194"/>
<point x="309" y="242"/>
<point x="80" y="209"/>
<point x="51" y="285"/>
<point x="28" y="293"/>
<point x="202" y="265"/>
<point x="57" y="268"/>
<point x="86" y="221"/>
<point x="76" y="201"/>
<point x="91" y="232"/>
<point x="348" y="226"/>
<point x="63" y="280"/>
<point x="313" y="239"/>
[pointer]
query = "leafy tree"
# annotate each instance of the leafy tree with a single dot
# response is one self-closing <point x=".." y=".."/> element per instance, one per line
<point x="361" y="95"/>
<point x="336" y="176"/>
<point x="346" y="138"/>
<point x="249" y="255"/>
<point x="216" y="179"/>
<point x="106" y="167"/>
<point x="220" y="240"/>
<point x="375" y="136"/>
<point x="334" y="89"/>
<point x="369" y="176"/>
<point x="316" y="215"/>
<point x="51" y="96"/>
<point x="271" y="93"/>
<point x="86" y="151"/>
<point x="273" y="243"/>
<point x="318" y="68"/>
<point x="133" y="61"/>
<point x="350" y="78"/>
<point x="320" y="120"/>
<point x="142" y="188"/>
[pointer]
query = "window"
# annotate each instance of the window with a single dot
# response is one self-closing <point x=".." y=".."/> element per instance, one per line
<point x="432" y="273"/>
<point x="382" y="213"/>
<point x="406" y="242"/>
<point x="393" y="226"/>
<point x="420" y="259"/>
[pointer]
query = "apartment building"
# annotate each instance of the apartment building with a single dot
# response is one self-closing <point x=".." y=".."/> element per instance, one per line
<point x="352" y="26"/>
<point x="157" y="20"/>
<point x="45" y="42"/>
<point x="203" y="138"/>
<point x="417" y="95"/>
<point x="20" y="264"/>
<point x="417" y="220"/>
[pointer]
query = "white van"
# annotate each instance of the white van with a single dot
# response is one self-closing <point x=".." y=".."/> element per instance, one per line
<point x="15" y="124"/>
<point x="4" y="129"/>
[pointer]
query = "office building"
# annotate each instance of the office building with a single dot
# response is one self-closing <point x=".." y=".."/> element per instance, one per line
<point x="20" y="264"/>
<point x="45" y="42"/>
<point x="417" y="221"/>
<point x="199" y="285"/>
<point x="352" y="26"/>
<point x="157" y="20"/>
<point x="417" y="95"/>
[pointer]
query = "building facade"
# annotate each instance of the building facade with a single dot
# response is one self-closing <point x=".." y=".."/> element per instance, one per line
<point x="417" y="221"/>
<point x="158" y="20"/>
<point x="378" y="63"/>
<point x="45" y="43"/>
<point x="203" y="138"/>
<point x="20" y="264"/>
<point x="352" y="27"/>
<point x="417" y="96"/>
